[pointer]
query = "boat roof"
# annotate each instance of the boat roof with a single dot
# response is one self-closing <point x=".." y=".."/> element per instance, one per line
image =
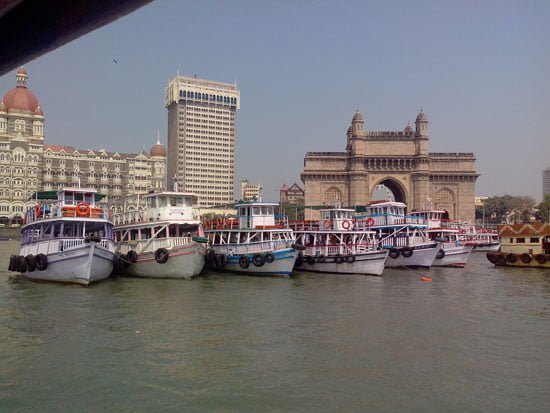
<point x="256" y="204"/>
<point x="425" y="211"/>
<point x="54" y="195"/>
<point x="386" y="203"/>
<point x="338" y="209"/>
<point x="169" y="193"/>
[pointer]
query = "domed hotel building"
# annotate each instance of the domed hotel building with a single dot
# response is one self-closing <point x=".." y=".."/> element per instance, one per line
<point x="28" y="164"/>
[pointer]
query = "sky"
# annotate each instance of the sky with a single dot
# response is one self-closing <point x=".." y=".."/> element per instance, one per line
<point x="479" y="69"/>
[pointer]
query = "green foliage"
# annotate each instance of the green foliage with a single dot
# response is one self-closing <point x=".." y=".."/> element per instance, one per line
<point x="543" y="213"/>
<point x="498" y="209"/>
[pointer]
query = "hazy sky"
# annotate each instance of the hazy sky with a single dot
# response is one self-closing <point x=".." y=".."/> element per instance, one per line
<point x="479" y="69"/>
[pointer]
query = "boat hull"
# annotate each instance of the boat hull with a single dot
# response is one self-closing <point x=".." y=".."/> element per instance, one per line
<point x="82" y="265"/>
<point x="184" y="262"/>
<point x="282" y="265"/>
<point x="422" y="256"/>
<point x="454" y="257"/>
<point x="371" y="263"/>
<point x="487" y="246"/>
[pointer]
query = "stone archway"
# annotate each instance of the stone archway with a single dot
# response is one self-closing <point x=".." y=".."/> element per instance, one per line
<point x="395" y="187"/>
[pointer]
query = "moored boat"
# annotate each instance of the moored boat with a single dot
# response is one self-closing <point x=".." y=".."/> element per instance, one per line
<point x="160" y="237"/>
<point x="333" y="245"/>
<point x="252" y="242"/>
<point x="404" y="236"/>
<point x="523" y="245"/>
<point x="66" y="237"/>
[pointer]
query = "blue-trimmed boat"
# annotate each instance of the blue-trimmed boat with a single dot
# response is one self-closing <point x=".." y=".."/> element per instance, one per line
<point x="251" y="242"/>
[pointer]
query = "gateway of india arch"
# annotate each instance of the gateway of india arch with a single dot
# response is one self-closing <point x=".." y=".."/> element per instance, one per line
<point x="398" y="160"/>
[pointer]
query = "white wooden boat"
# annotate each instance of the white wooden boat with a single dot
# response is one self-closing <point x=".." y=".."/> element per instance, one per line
<point x="404" y="236"/>
<point x="332" y="245"/>
<point x="67" y="237"/>
<point x="454" y="251"/>
<point x="159" y="236"/>
<point x="252" y="242"/>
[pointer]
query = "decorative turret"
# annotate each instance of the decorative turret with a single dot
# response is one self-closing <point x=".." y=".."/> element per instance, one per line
<point x="158" y="149"/>
<point x="357" y="124"/>
<point x="422" y="124"/>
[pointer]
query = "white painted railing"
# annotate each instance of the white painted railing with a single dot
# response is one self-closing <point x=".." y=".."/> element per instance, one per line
<point x="252" y="248"/>
<point x="61" y="244"/>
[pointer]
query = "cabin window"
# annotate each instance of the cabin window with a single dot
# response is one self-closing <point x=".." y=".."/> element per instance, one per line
<point x="174" y="230"/>
<point x="534" y="240"/>
<point x="145" y="233"/>
<point x="265" y="210"/>
<point x="161" y="201"/>
<point x="175" y="201"/>
<point x="520" y="240"/>
<point x="256" y="211"/>
<point x="511" y="241"/>
<point x="233" y="237"/>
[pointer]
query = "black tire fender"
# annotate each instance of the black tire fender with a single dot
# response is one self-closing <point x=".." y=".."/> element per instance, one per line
<point x="161" y="255"/>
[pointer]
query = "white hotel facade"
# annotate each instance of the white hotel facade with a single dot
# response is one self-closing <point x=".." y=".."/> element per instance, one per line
<point x="201" y="138"/>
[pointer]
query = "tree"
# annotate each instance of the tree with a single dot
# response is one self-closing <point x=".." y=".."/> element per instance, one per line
<point x="499" y="209"/>
<point x="543" y="213"/>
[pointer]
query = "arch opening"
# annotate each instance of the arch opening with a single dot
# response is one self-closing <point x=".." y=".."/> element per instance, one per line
<point x="388" y="189"/>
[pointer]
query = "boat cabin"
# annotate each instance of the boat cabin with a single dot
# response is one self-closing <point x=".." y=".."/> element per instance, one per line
<point x="390" y="213"/>
<point x="533" y="238"/>
<point x="336" y="219"/>
<point x="432" y="218"/>
<point x="256" y="215"/>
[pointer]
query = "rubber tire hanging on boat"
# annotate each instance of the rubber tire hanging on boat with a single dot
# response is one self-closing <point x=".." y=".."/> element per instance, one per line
<point x="350" y="259"/>
<point x="132" y="256"/>
<point x="407" y="252"/>
<point x="161" y="255"/>
<point x="298" y="247"/>
<point x="41" y="262"/>
<point x="321" y="259"/>
<point x="440" y="254"/>
<point x="269" y="258"/>
<point x="219" y="260"/>
<point x="11" y="264"/>
<point x="511" y="258"/>
<point x="541" y="259"/>
<point x="244" y="262"/>
<point x="501" y="259"/>
<point x="525" y="258"/>
<point x="299" y="261"/>
<point x="492" y="258"/>
<point x="394" y="253"/>
<point x="21" y="264"/>
<point x="258" y="260"/>
<point x="310" y="260"/>
<point x="30" y="263"/>
<point x="338" y="259"/>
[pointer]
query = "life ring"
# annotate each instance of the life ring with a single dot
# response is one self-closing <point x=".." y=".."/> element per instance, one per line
<point x="37" y="211"/>
<point x="394" y="253"/>
<point x="41" y="262"/>
<point x="83" y="209"/>
<point x="30" y="263"/>
<point x="338" y="259"/>
<point x="440" y="254"/>
<point x="258" y="260"/>
<point x="269" y="258"/>
<point x="370" y="222"/>
<point x="346" y="224"/>
<point x="350" y="259"/>
<point x="525" y="258"/>
<point x="327" y="224"/>
<point x="244" y="262"/>
<point x="407" y="252"/>
<point x="161" y="255"/>
<point x="492" y="258"/>
<point x="541" y="259"/>
<point x="132" y="256"/>
<point x="511" y="258"/>
<point x="207" y="224"/>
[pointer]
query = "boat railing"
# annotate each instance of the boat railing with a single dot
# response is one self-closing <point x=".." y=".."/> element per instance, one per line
<point x="380" y="220"/>
<point x="253" y="247"/>
<point x="55" y="210"/>
<point x="241" y="222"/>
<point x="152" y="244"/>
<point x="50" y="246"/>
<point x="339" y="249"/>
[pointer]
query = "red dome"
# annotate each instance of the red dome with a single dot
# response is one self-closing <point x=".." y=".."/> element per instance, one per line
<point x="157" y="150"/>
<point x="21" y="98"/>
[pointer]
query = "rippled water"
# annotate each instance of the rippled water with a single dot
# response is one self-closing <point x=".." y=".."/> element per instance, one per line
<point x="476" y="339"/>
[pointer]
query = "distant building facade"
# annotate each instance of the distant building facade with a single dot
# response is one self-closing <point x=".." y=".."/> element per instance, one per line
<point x="250" y="192"/>
<point x="545" y="182"/>
<point x="28" y="165"/>
<point x="292" y="196"/>
<point x="400" y="161"/>
<point x="201" y="138"/>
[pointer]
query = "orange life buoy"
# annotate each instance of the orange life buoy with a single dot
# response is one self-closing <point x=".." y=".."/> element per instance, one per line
<point x="83" y="209"/>
<point x="37" y="211"/>
<point x="346" y="224"/>
<point x="327" y="224"/>
<point x="370" y="222"/>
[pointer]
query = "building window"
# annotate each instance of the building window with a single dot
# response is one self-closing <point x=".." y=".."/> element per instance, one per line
<point x="520" y="240"/>
<point x="534" y="240"/>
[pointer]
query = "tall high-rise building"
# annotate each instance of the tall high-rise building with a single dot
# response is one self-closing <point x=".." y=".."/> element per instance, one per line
<point x="545" y="182"/>
<point x="201" y="138"/>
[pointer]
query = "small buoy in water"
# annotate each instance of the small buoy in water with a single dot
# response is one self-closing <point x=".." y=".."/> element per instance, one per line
<point x="425" y="279"/>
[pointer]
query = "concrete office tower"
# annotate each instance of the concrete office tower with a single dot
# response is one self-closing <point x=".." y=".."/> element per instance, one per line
<point x="545" y="182"/>
<point x="201" y="138"/>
